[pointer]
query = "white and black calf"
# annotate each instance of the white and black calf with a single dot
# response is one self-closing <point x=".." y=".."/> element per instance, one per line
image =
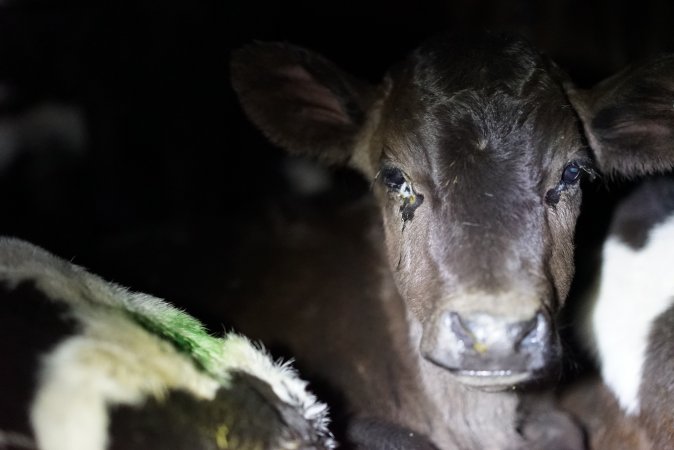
<point x="631" y="312"/>
<point x="89" y="365"/>
<point x="475" y="146"/>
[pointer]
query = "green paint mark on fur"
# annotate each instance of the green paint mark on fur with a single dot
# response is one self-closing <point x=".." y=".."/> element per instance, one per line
<point x="181" y="329"/>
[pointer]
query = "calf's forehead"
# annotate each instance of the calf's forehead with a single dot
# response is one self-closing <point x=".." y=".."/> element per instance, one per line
<point x="498" y="106"/>
<point x="447" y="70"/>
<point x="486" y="61"/>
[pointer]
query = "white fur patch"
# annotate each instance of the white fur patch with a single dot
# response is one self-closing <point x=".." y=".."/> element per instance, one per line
<point x="114" y="361"/>
<point x="635" y="287"/>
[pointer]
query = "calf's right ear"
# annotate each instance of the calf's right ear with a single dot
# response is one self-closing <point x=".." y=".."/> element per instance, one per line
<point x="301" y="101"/>
<point x="629" y="119"/>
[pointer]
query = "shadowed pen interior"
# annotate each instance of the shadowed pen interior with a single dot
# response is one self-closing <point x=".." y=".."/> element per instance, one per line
<point x="410" y="200"/>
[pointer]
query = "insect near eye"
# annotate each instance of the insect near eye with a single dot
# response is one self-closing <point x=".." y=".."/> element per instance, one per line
<point x="571" y="173"/>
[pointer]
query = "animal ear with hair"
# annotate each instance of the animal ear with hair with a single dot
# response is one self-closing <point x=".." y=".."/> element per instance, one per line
<point x="301" y="101"/>
<point x="629" y="118"/>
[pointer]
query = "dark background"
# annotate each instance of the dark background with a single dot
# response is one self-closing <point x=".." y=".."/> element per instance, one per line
<point x="123" y="148"/>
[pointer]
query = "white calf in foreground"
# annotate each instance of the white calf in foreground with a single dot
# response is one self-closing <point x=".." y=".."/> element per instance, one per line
<point x="95" y="366"/>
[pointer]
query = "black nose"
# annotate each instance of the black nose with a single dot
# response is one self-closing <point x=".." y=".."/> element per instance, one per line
<point x="487" y="346"/>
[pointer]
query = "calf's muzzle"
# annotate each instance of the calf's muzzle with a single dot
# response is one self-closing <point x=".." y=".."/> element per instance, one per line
<point x="486" y="350"/>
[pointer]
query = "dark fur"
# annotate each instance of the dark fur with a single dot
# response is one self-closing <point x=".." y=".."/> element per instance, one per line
<point x="607" y="427"/>
<point x="376" y="434"/>
<point x="657" y="390"/>
<point x="31" y="324"/>
<point x="301" y="85"/>
<point x="628" y="118"/>
<point x="441" y="108"/>
<point x="483" y="129"/>
<point x="652" y="203"/>
<point x="181" y="422"/>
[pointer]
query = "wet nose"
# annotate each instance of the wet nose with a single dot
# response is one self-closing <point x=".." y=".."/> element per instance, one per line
<point x="483" y="345"/>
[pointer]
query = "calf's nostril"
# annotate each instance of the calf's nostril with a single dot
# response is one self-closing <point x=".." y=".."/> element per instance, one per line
<point x="480" y="333"/>
<point x="460" y="329"/>
<point x="483" y="345"/>
<point x="532" y="333"/>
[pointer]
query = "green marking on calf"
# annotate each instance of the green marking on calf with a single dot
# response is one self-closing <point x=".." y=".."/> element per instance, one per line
<point x="185" y="332"/>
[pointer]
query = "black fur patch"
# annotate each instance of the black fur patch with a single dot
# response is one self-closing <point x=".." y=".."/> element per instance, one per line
<point x="370" y="434"/>
<point x="656" y="393"/>
<point x="247" y="416"/>
<point x="650" y="204"/>
<point x="31" y="324"/>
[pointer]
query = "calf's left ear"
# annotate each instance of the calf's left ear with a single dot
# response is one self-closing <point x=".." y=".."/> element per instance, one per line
<point x="629" y="119"/>
<point x="300" y="100"/>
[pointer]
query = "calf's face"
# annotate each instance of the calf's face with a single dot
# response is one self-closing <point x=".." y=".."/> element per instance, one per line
<point x="477" y="158"/>
<point x="475" y="154"/>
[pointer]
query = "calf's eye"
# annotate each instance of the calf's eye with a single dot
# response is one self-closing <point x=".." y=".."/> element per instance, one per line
<point x="571" y="173"/>
<point x="397" y="183"/>
<point x="570" y="176"/>
<point x="393" y="178"/>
